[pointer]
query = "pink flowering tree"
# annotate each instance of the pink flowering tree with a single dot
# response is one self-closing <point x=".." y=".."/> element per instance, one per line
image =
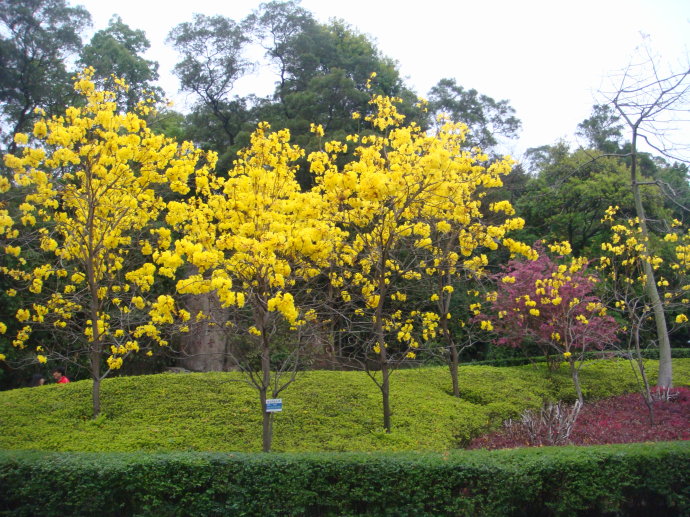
<point x="553" y="305"/>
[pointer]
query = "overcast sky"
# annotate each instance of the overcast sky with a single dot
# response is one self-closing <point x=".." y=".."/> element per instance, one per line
<point x="549" y="58"/>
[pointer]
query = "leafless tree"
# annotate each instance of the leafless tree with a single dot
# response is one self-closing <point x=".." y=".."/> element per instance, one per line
<point x="654" y="105"/>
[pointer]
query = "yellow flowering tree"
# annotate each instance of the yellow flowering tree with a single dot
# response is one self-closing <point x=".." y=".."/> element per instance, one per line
<point x="627" y="258"/>
<point x="458" y="257"/>
<point x="86" y="244"/>
<point x="410" y="203"/>
<point x="258" y="243"/>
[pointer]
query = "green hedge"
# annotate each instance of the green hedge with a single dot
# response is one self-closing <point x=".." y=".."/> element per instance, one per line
<point x="634" y="479"/>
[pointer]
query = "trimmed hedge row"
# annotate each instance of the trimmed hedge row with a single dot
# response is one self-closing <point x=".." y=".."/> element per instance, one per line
<point x="650" y="353"/>
<point x="633" y="479"/>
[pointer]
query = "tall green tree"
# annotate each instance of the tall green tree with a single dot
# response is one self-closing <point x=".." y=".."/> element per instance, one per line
<point x="603" y="130"/>
<point x="37" y="38"/>
<point x="212" y="59"/>
<point x="118" y="50"/>
<point x="485" y="117"/>
<point x="569" y="193"/>
<point x="282" y="29"/>
<point x="326" y="73"/>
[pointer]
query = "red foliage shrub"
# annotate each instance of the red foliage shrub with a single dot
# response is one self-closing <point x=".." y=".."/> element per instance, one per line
<point x="623" y="419"/>
<point x="552" y="304"/>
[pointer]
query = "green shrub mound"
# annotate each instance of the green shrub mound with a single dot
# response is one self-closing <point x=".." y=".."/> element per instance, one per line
<point x="322" y="410"/>
<point x="637" y="479"/>
<point x="649" y="353"/>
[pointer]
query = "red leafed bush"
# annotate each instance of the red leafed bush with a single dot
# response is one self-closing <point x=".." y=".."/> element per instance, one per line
<point x="550" y="304"/>
<point x="623" y="419"/>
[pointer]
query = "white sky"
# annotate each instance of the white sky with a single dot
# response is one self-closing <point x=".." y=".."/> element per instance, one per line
<point x="549" y="58"/>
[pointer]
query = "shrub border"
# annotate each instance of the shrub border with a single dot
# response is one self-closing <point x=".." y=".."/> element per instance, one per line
<point x="632" y="479"/>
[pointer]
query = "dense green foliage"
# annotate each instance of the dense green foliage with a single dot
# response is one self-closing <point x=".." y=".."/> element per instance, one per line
<point x="650" y="353"/>
<point x="638" y="479"/>
<point x="324" y="410"/>
<point x="118" y="50"/>
<point x="37" y="38"/>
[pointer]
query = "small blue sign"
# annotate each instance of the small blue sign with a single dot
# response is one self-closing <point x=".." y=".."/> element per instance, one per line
<point x="274" y="405"/>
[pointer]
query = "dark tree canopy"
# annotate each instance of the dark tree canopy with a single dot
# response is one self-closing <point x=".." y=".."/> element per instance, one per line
<point x="569" y="192"/>
<point x="485" y="117"/>
<point x="37" y="37"/>
<point x="603" y="130"/>
<point x="211" y="48"/>
<point x="117" y="50"/>
<point x="282" y="28"/>
<point x="324" y="75"/>
<point x="212" y="52"/>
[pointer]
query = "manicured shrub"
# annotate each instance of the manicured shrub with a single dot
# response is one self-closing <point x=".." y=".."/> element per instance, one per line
<point x="618" y="480"/>
<point x="323" y="411"/>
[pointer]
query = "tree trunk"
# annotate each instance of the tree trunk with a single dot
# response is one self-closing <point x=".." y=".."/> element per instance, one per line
<point x="453" y="365"/>
<point x="454" y="360"/>
<point x="205" y="346"/>
<point x="386" y="395"/>
<point x="95" y="367"/>
<point x="665" y="378"/>
<point x="576" y="380"/>
<point x="267" y="433"/>
<point x="267" y="424"/>
<point x="646" y="391"/>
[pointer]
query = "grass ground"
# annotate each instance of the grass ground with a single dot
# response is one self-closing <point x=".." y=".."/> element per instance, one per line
<point x="323" y="410"/>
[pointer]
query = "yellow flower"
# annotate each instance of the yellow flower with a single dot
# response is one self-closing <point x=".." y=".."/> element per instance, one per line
<point x="567" y="355"/>
<point x="681" y="318"/>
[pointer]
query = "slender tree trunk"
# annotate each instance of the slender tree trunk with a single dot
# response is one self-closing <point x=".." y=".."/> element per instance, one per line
<point x="454" y="365"/>
<point x="386" y="395"/>
<point x="267" y="424"/>
<point x="96" y="349"/>
<point x="646" y="391"/>
<point x="665" y="378"/>
<point x="576" y="380"/>
<point x="454" y="361"/>
<point x="95" y="367"/>
<point x="383" y="353"/>
<point x="267" y="432"/>
<point x="385" y="376"/>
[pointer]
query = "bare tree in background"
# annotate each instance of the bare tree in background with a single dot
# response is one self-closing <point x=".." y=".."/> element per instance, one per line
<point x="654" y="103"/>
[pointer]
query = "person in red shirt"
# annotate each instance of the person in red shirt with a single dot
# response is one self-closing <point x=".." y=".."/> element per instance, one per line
<point x="59" y="376"/>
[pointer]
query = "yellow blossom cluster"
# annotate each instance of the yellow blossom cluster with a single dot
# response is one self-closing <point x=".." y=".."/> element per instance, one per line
<point x="93" y="181"/>
<point x="628" y="251"/>
<point x="411" y="203"/>
<point x="255" y="237"/>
